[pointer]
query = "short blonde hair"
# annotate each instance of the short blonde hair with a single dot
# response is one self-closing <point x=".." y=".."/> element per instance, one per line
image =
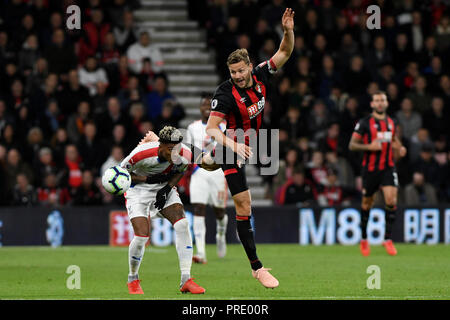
<point x="238" y="56"/>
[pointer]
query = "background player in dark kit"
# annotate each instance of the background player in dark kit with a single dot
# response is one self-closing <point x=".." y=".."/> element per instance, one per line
<point x="375" y="135"/>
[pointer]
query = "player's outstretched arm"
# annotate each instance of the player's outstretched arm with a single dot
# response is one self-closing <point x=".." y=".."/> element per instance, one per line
<point x="213" y="130"/>
<point x="287" y="43"/>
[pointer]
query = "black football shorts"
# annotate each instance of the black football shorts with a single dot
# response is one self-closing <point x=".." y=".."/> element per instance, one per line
<point x="373" y="180"/>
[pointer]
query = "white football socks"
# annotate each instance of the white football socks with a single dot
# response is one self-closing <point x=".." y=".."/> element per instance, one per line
<point x="199" y="235"/>
<point x="136" y="251"/>
<point x="221" y="225"/>
<point x="183" y="244"/>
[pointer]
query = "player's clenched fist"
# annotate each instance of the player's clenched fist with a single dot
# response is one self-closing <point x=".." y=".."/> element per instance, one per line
<point x="161" y="197"/>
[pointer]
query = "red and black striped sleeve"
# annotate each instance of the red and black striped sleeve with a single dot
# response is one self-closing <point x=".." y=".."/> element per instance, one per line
<point x="221" y="103"/>
<point x="360" y="129"/>
<point x="265" y="69"/>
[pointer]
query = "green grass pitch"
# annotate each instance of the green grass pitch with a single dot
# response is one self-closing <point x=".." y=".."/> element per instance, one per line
<point x="304" y="272"/>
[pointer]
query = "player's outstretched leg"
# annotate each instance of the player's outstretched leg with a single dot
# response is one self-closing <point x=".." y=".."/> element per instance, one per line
<point x="183" y="244"/>
<point x="245" y="232"/>
<point x="221" y="230"/>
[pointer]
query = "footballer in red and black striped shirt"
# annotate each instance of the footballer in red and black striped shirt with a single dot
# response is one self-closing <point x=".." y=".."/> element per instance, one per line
<point x="375" y="135"/>
<point x="240" y="101"/>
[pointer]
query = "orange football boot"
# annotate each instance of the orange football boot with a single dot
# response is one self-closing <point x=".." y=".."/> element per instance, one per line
<point x="134" y="287"/>
<point x="192" y="287"/>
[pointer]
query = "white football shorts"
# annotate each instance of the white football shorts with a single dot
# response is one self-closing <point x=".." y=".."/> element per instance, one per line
<point x="208" y="187"/>
<point x="140" y="200"/>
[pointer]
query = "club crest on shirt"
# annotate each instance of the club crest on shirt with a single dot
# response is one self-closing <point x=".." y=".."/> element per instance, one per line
<point x="258" y="88"/>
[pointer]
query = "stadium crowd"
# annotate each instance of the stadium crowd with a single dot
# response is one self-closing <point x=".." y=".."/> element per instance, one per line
<point x="326" y="87"/>
<point x="75" y="102"/>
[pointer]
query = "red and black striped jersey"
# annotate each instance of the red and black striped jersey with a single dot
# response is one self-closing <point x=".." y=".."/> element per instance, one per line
<point x="243" y="108"/>
<point x="368" y="129"/>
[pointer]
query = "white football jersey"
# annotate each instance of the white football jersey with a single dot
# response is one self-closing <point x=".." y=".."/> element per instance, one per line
<point x="197" y="136"/>
<point x="144" y="160"/>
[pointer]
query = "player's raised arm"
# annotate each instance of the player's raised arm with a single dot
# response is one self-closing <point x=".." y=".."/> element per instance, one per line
<point x="287" y="43"/>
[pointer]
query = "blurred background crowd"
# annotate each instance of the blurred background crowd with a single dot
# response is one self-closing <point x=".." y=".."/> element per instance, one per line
<point x="75" y="102"/>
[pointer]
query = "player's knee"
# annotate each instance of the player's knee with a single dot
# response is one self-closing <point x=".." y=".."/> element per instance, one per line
<point x="367" y="204"/>
<point x="220" y="213"/>
<point x="199" y="210"/>
<point x="391" y="202"/>
<point x="243" y="206"/>
<point x="181" y="225"/>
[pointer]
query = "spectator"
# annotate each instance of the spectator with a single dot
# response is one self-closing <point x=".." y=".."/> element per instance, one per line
<point x="114" y="159"/>
<point x="94" y="35"/>
<point x="286" y="169"/>
<point x="143" y="49"/>
<point x="420" y="98"/>
<point x="416" y="143"/>
<point x="60" y="56"/>
<point x="294" y="123"/>
<point x="332" y="141"/>
<point x="37" y="75"/>
<point x="156" y="98"/>
<point x="91" y="75"/>
<point x="331" y="194"/>
<point x="109" y="52"/>
<point x="428" y="165"/>
<point x="317" y="172"/>
<point x="7" y="137"/>
<point x="443" y="34"/>
<point x="318" y="120"/>
<point x="378" y="56"/>
<point x="125" y="33"/>
<point x="172" y="113"/>
<point x="29" y="54"/>
<point x="52" y="119"/>
<point x="111" y="117"/>
<point x="73" y="166"/>
<point x="72" y="94"/>
<point x="51" y="195"/>
<point x="420" y="192"/>
<point x="298" y="191"/>
<point x="356" y="78"/>
<point x="436" y="119"/>
<point x="138" y="116"/>
<point x="410" y="120"/>
<point x="44" y="166"/>
<point x="59" y="142"/>
<point x="88" y="194"/>
<point x="132" y="93"/>
<point x="24" y="194"/>
<point x="91" y="149"/>
<point x="120" y="138"/>
<point x="14" y="166"/>
<point x="77" y="121"/>
<point x="342" y="168"/>
<point x="402" y="52"/>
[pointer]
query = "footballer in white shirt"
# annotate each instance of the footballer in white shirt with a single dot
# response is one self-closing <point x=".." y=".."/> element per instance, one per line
<point x="156" y="165"/>
<point x="206" y="187"/>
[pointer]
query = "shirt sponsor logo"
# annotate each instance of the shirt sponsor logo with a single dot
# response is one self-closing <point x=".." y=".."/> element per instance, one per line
<point x="256" y="108"/>
<point x="384" y="136"/>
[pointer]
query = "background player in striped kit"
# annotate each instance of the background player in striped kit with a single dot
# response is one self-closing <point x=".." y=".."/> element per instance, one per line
<point x="206" y="187"/>
<point x="156" y="167"/>
<point x="375" y="135"/>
